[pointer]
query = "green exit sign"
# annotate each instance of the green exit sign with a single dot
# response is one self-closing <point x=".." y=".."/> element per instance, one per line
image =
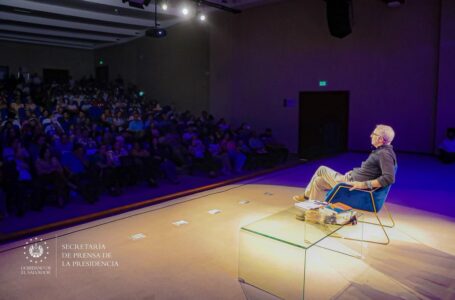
<point x="322" y="83"/>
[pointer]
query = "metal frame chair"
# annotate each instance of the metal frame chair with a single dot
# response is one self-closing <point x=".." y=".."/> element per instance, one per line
<point x="364" y="200"/>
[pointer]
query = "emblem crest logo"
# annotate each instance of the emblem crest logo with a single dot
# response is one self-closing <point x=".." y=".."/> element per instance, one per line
<point x="36" y="251"/>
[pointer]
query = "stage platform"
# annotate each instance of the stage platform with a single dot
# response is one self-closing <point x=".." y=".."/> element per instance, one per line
<point x="151" y="253"/>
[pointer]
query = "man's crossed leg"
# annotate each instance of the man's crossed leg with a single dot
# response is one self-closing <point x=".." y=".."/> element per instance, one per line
<point x="322" y="181"/>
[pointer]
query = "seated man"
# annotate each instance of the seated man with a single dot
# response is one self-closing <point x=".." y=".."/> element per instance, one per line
<point x="377" y="171"/>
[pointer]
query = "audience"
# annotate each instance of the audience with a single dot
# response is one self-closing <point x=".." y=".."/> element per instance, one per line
<point x="89" y="138"/>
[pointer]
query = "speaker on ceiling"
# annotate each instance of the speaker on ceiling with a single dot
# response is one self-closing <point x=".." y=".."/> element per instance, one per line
<point x="339" y="17"/>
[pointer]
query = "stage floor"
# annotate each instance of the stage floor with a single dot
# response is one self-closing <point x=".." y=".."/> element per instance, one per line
<point x="143" y="255"/>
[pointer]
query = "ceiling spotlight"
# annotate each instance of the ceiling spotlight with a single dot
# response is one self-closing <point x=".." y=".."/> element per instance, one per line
<point x="185" y="11"/>
<point x="164" y="5"/>
<point x="200" y="13"/>
<point x="201" y="17"/>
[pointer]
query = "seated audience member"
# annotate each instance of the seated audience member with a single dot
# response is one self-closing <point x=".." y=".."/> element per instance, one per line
<point x="118" y="120"/>
<point x="109" y="175"/>
<point x="10" y="182"/>
<point x="278" y="151"/>
<point x="144" y="163"/>
<point x="236" y="157"/>
<point x="247" y="152"/>
<point x="62" y="144"/>
<point x="174" y="145"/>
<point x="259" y="155"/>
<point x="256" y="144"/>
<point x="222" y="125"/>
<point x="35" y="146"/>
<point x="244" y="132"/>
<point x="49" y="171"/>
<point x="220" y="156"/>
<point x="66" y="121"/>
<point x="26" y="191"/>
<point x="122" y="162"/>
<point x="80" y="173"/>
<point x="106" y="117"/>
<point x="377" y="171"/>
<point x="200" y="159"/>
<point x="52" y="126"/>
<point x="446" y="150"/>
<point x="136" y="125"/>
<point x="163" y="154"/>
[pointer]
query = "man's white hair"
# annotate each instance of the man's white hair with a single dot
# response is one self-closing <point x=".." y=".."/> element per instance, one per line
<point x="386" y="132"/>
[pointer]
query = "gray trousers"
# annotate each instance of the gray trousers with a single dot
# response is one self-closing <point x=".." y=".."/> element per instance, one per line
<point x="322" y="181"/>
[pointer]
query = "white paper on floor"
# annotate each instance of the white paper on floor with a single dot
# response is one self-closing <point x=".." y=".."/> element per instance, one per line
<point x="214" y="211"/>
<point x="137" y="236"/>
<point x="180" y="223"/>
<point x="244" y="202"/>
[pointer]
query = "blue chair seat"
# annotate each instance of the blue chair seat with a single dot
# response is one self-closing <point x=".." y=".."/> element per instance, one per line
<point x="365" y="200"/>
<point x="359" y="199"/>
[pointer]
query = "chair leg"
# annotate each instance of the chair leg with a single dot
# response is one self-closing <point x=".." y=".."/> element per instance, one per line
<point x="390" y="217"/>
<point x="380" y="223"/>
<point x="383" y="229"/>
<point x="365" y="240"/>
<point x="373" y="223"/>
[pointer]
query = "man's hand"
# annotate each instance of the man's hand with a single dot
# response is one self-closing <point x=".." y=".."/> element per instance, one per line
<point x="357" y="185"/>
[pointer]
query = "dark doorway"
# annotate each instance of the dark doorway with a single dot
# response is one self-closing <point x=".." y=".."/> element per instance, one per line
<point x="102" y="74"/>
<point x="323" y="123"/>
<point x="55" y="75"/>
